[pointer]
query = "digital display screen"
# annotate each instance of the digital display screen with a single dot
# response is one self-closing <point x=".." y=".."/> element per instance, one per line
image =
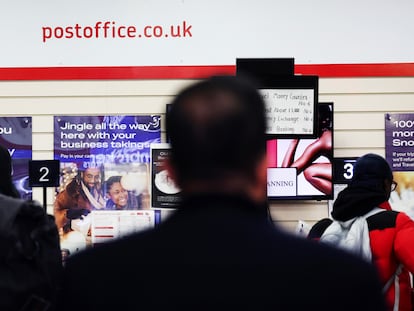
<point x="301" y="168"/>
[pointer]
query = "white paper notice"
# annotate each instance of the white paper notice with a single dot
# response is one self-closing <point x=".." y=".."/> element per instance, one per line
<point x="281" y="182"/>
<point x="289" y="111"/>
<point x="108" y="225"/>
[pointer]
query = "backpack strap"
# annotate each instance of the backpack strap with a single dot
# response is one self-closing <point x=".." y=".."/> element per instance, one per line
<point x="394" y="278"/>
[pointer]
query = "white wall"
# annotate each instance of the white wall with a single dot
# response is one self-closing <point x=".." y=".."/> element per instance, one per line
<point x="359" y="107"/>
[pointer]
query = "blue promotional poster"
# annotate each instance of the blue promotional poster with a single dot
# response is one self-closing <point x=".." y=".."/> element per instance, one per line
<point x="16" y="136"/>
<point x="105" y="166"/>
<point x="399" y="152"/>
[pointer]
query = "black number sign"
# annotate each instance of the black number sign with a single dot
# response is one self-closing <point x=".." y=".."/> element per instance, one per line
<point x="44" y="173"/>
<point x="343" y="170"/>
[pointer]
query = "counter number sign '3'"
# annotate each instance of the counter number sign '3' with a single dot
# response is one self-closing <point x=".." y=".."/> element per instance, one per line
<point x="44" y="173"/>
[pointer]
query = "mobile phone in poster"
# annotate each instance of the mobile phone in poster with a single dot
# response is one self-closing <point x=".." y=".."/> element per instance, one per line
<point x="164" y="191"/>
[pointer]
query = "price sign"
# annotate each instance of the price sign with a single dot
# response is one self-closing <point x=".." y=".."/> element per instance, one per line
<point x="343" y="170"/>
<point x="44" y="173"/>
<point x="291" y="106"/>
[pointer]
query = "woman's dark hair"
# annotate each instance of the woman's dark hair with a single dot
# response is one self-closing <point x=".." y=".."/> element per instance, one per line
<point x="6" y="183"/>
<point x="112" y="180"/>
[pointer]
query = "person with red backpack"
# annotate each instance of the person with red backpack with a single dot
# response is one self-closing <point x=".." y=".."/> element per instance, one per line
<point x="365" y="224"/>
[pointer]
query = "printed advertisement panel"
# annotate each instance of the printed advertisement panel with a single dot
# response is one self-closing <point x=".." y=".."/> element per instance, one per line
<point x="399" y="152"/>
<point x="164" y="191"/>
<point x="16" y="136"/>
<point x="104" y="167"/>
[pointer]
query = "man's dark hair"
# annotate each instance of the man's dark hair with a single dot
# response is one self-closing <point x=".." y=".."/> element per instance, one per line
<point x="216" y="129"/>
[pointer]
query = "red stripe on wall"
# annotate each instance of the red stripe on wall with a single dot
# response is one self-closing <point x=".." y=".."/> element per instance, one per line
<point x="108" y="73"/>
<point x="357" y="70"/>
<point x="198" y="72"/>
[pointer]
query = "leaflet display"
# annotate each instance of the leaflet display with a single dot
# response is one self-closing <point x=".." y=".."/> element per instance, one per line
<point x="110" y="225"/>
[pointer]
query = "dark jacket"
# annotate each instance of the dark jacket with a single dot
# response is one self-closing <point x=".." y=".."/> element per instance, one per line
<point x="218" y="253"/>
<point x="391" y="237"/>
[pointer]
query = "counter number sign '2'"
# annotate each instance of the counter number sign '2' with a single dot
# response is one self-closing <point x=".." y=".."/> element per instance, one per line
<point x="44" y="173"/>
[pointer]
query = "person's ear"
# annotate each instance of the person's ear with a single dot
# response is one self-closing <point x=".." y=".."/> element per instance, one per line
<point x="260" y="184"/>
<point x="261" y="171"/>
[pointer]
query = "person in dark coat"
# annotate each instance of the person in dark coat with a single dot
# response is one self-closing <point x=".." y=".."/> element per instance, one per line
<point x="219" y="250"/>
<point x="7" y="186"/>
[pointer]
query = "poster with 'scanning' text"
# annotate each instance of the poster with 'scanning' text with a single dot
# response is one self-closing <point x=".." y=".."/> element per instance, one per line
<point x="104" y="167"/>
<point x="399" y="153"/>
<point x="16" y="137"/>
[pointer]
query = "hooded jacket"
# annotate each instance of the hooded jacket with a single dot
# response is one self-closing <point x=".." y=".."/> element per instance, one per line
<point x="391" y="235"/>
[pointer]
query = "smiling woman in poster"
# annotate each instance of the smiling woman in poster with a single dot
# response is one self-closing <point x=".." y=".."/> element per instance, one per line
<point x="119" y="198"/>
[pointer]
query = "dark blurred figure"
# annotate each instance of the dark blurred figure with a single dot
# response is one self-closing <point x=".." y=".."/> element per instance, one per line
<point x="365" y="224"/>
<point x="218" y="250"/>
<point x="30" y="257"/>
<point x="7" y="186"/>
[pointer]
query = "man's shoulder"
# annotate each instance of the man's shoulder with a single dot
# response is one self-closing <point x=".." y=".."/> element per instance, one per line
<point x="243" y="269"/>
